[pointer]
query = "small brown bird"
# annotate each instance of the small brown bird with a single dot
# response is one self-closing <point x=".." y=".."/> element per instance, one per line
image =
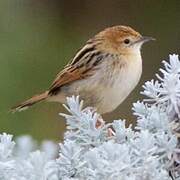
<point x="103" y="72"/>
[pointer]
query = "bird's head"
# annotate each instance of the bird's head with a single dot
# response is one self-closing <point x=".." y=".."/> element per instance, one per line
<point x="121" y="40"/>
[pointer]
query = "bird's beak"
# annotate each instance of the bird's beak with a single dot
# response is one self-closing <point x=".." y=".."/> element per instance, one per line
<point x="144" y="39"/>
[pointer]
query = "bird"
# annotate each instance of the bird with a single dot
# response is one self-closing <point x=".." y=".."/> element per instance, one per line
<point x="103" y="72"/>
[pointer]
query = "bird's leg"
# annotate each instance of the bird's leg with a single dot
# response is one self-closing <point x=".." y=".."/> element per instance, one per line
<point x="111" y="132"/>
<point x="100" y="122"/>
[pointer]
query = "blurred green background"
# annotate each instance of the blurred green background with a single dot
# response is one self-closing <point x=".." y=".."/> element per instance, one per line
<point x="38" y="37"/>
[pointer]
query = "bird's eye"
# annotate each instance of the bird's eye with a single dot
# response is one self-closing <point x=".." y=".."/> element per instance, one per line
<point x="126" y="41"/>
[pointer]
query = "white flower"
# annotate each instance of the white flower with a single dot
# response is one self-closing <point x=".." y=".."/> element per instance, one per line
<point x="122" y="133"/>
<point x="166" y="92"/>
<point x="6" y="146"/>
<point x="24" y="145"/>
<point x="50" y="149"/>
<point x="70" y="160"/>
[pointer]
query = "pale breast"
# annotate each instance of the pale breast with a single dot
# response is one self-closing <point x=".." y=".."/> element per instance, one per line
<point x="120" y="83"/>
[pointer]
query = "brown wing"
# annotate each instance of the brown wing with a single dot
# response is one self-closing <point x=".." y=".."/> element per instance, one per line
<point x="67" y="76"/>
<point x="86" y="59"/>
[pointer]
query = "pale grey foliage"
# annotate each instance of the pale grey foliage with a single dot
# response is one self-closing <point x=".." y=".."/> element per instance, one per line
<point x="95" y="150"/>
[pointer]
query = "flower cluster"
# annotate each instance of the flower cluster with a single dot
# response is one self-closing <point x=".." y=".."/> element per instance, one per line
<point x="95" y="150"/>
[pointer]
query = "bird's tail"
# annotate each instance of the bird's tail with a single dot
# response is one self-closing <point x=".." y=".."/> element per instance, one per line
<point x="26" y="104"/>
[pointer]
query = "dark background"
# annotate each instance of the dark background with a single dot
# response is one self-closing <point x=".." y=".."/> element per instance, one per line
<point x="38" y="37"/>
